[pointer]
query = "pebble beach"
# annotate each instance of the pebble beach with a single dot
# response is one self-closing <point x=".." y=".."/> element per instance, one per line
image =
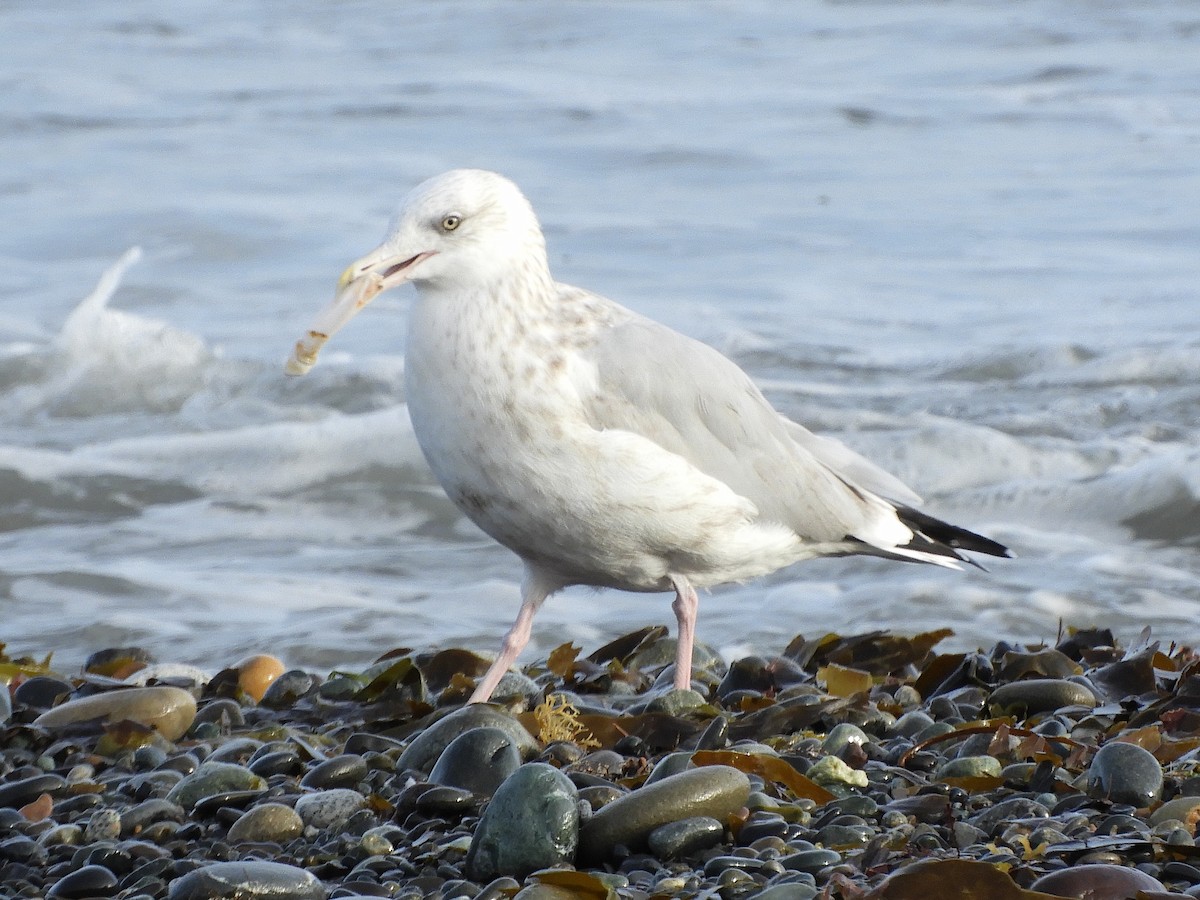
<point x="868" y="765"/>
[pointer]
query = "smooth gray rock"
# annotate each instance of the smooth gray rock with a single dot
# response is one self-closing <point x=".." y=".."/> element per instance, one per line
<point x="247" y="880"/>
<point x="687" y="836"/>
<point x="276" y="822"/>
<point x="213" y="778"/>
<point x="531" y="823"/>
<point x="478" y="760"/>
<point x="427" y="746"/>
<point x="715" y="791"/>
<point x="1035" y="695"/>
<point x="1125" y="773"/>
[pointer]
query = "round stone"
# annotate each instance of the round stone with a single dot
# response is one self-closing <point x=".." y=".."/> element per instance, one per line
<point x="1125" y="773"/>
<point x="276" y="822"/>
<point x="247" y="880"/>
<point x="329" y="808"/>
<point x="427" y="746"/>
<point x="714" y="791"/>
<point x="842" y="735"/>
<point x="211" y="779"/>
<point x="1098" y="880"/>
<point x="41" y="691"/>
<point x="1037" y="695"/>
<point x="531" y="823"/>
<point x="478" y="760"/>
<point x="257" y="673"/>
<point x="168" y="710"/>
<point x="687" y="836"/>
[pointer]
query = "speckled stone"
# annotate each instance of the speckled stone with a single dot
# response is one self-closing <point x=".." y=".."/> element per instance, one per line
<point x="247" y="880"/>
<point x="531" y="823"/>
<point x="715" y="791"/>
<point x="325" y="809"/>
<point x="266" y="822"/>
<point x="168" y="710"/>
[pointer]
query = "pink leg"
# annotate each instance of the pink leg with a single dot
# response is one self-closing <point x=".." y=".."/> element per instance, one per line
<point x="685" y="606"/>
<point x="534" y="591"/>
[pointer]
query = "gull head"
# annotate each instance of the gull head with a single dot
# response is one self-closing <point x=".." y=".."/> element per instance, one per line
<point x="463" y="230"/>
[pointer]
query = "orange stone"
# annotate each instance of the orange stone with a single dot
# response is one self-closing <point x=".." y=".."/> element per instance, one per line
<point x="255" y="673"/>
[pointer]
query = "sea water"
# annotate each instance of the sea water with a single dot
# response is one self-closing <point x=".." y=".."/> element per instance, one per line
<point x="962" y="238"/>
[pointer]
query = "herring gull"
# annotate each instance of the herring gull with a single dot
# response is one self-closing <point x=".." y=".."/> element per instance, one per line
<point x="601" y="447"/>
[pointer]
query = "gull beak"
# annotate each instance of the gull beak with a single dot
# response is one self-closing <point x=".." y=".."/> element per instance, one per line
<point x="362" y="281"/>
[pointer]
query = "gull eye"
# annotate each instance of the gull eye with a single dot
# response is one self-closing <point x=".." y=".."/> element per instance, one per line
<point x="451" y="222"/>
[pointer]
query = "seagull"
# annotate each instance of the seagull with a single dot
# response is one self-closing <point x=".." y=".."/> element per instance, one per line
<point x="600" y="446"/>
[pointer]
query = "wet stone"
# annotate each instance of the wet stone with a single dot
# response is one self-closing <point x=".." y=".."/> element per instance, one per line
<point x="478" y="760"/>
<point x="970" y="767"/>
<point x="1125" y="773"/>
<point x="289" y="688"/>
<point x="326" y="809"/>
<point x="41" y="692"/>
<point x="532" y="822"/>
<point x="810" y="860"/>
<point x="427" y="746"/>
<point x="714" y="791"/>
<point x="86" y="881"/>
<point x="247" y="880"/>
<point x="17" y="793"/>
<point x="211" y="779"/>
<point x="792" y="891"/>
<point x="1098" y="881"/>
<point x="1037" y="695"/>
<point x="685" y="837"/>
<point x="342" y="771"/>
<point x="276" y="822"/>
<point x="168" y="710"/>
<point x="990" y="819"/>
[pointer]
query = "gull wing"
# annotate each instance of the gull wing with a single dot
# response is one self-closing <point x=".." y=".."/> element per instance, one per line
<point x="690" y="400"/>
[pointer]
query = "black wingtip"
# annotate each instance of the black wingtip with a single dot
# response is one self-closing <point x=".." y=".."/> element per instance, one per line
<point x="938" y="532"/>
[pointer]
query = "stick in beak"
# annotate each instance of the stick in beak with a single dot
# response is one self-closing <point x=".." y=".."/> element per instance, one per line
<point x="359" y="285"/>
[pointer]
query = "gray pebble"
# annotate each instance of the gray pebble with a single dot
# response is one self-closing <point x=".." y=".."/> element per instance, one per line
<point x="247" y="880"/>
<point x="86" y="881"/>
<point x="211" y="779"/>
<point x="344" y="771"/>
<point x="1125" y="773"/>
<point x="1036" y="695"/>
<point x="275" y="822"/>
<point x="687" y="836"/>
<point x="427" y="746"/>
<point x="531" y="823"/>
<point x="715" y="791"/>
<point x="478" y="760"/>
